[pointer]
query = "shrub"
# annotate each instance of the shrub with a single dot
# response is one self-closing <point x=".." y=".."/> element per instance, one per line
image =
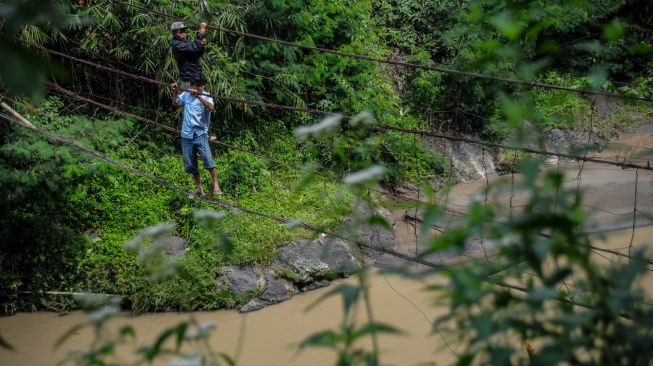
<point x="241" y="173"/>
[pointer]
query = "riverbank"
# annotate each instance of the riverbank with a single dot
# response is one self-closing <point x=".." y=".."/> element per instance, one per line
<point x="271" y="335"/>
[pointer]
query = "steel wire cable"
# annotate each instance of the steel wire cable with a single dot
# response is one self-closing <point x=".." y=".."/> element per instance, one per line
<point x="220" y="203"/>
<point x="513" y="148"/>
<point x="217" y="142"/>
<point x="393" y="62"/>
<point x="69" y="93"/>
<point x="164" y="126"/>
<point x="290" y="223"/>
<point x="153" y="81"/>
<point x="231" y="146"/>
<point x="380" y="127"/>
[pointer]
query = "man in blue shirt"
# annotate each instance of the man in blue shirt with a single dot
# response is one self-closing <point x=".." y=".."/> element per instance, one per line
<point x="195" y="131"/>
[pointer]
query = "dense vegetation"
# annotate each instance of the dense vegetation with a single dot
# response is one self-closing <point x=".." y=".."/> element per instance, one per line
<point x="66" y="217"/>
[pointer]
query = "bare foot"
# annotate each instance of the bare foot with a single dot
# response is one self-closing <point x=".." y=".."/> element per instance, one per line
<point x="196" y="194"/>
<point x="217" y="191"/>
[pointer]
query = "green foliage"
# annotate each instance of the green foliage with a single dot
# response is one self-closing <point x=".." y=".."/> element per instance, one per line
<point x="104" y="208"/>
<point x="410" y="160"/>
<point x="242" y="173"/>
<point x="23" y="71"/>
<point x="51" y="195"/>
<point x="44" y="200"/>
<point x="493" y="322"/>
<point x="560" y="109"/>
<point x="157" y="270"/>
<point x="128" y="203"/>
<point x="513" y="39"/>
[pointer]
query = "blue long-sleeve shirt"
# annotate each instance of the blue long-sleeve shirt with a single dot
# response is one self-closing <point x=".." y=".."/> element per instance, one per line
<point x="197" y="117"/>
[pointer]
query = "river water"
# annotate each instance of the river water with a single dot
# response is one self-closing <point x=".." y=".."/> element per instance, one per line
<point x="271" y="336"/>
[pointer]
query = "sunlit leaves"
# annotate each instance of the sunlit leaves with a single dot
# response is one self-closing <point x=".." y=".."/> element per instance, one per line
<point x="614" y="30"/>
<point x="151" y="252"/>
<point x="324" y="127"/>
<point x="368" y="175"/>
<point x="508" y="25"/>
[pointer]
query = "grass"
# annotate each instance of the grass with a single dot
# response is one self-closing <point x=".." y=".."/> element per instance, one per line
<point x="131" y="203"/>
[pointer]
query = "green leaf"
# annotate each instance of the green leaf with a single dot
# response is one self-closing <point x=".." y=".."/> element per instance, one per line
<point x="557" y="276"/>
<point x="186" y="361"/>
<point x="127" y="330"/>
<point x="349" y="297"/>
<point x="542" y="293"/>
<point x="431" y="215"/>
<point x="70" y="332"/>
<point x="509" y="27"/>
<point x="614" y="30"/>
<point x="597" y="77"/>
<point x="230" y="361"/>
<point x="475" y="13"/>
<point x="642" y="49"/>
<point x="591" y="46"/>
<point x="465" y="359"/>
<point x="226" y="244"/>
<point x="4" y="344"/>
<point x="380" y="221"/>
<point x="179" y="330"/>
<point x="372" y="328"/>
<point x="326" y="338"/>
<point x="483" y="325"/>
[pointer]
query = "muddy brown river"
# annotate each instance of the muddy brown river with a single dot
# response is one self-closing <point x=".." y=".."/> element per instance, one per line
<point x="271" y="336"/>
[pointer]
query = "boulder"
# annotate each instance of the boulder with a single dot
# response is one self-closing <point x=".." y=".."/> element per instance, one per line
<point x="338" y="256"/>
<point x="301" y="257"/>
<point x="277" y="289"/>
<point x="315" y="285"/>
<point x="316" y="259"/>
<point x="243" y="280"/>
<point x="252" y="305"/>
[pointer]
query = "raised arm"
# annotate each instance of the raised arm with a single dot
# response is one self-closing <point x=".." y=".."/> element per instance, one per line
<point x="196" y="46"/>
<point x="208" y="105"/>
<point x="175" y="93"/>
<point x="201" y="34"/>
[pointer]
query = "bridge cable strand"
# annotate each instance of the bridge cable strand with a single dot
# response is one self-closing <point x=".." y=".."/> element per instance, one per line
<point x="381" y="126"/>
<point x="21" y="121"/>
<point x="441" y="69"/>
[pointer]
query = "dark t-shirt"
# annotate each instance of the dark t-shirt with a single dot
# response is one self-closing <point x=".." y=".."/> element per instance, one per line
<point x="187" y="54"/>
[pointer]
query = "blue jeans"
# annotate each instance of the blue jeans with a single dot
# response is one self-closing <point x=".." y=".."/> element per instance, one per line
<point x="189" y="150"/>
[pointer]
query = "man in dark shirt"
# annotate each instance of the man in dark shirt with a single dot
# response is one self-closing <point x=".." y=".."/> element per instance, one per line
<point x="187" y="53"/>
